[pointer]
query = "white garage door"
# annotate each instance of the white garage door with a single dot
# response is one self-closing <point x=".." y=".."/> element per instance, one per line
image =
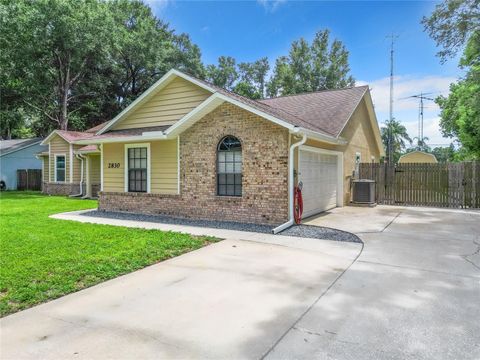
<point x="319" y="174"/>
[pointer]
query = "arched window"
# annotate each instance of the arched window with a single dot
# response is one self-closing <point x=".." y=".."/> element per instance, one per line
<point x="229" y="167"/>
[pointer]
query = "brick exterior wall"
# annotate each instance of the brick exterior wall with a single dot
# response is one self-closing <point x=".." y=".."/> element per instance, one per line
<point x="60" y="188"/>
<point x="265" y="173"/>
<point x="67" y="188"/>
<point x="95" y="189"/>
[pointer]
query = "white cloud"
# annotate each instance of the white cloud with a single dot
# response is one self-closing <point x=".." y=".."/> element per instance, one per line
<point x="407" y="110"/>
<point x="271" y="5"/>
<point x="431" y="129"/>
<point x="405" y="86"/>
<point x="158" y="6"/>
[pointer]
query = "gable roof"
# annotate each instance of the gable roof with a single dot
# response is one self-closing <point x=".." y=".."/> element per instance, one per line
<point x="282" y="116"/>
<point x="97" y="127"/>
<point x="322" y="115"/>
<point x="327" y="111"/>
<point x="416" y="152"/>
<point x="10" y="146"/>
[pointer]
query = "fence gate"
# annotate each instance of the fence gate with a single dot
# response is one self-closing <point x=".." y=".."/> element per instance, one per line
<point x="455" y="185"/>
<point x="29" y="179"/>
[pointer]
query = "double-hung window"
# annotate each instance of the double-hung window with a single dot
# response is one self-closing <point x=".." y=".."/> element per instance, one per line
<point x="137" y="158"/>
<point x="59" y="168"/>
<point x="229" y="167"/>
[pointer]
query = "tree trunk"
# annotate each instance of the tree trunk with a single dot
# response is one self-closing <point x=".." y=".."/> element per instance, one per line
<point x="64" y="90"/>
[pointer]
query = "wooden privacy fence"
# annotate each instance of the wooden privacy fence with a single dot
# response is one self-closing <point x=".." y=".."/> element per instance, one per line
<point x="29" y="179"/>
<point x="455" y="185"/>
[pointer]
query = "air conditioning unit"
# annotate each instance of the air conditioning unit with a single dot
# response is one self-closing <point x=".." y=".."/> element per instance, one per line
<point x="364" y="191"/>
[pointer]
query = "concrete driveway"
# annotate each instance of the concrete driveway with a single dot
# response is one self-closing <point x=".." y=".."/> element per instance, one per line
<point x="230" y="300"/>
<point x="412" y="293"/>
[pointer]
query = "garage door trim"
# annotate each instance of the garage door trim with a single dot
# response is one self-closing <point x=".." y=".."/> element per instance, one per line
<point x="339" y="155"/>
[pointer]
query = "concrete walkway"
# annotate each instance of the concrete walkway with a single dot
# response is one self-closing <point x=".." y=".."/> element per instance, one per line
<point x="229" y="300"/>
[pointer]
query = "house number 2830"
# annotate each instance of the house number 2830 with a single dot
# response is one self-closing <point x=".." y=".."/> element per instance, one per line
<point x="113" y="165"/>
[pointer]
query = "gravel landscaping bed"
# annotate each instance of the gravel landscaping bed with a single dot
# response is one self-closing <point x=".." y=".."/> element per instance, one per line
<point x="319" y="232"/>
<point x="308" y="231"/>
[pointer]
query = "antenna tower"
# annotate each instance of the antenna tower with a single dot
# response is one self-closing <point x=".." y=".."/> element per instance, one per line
<point x="392" y="37"/>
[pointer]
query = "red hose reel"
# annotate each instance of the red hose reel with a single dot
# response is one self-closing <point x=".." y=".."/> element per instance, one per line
<point x="298" y="203"/>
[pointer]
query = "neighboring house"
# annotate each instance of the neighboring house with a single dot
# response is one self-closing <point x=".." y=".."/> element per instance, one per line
<point x="18" y="154"/>
<point x="417" y="157"/>
<point x="188" y="148"/>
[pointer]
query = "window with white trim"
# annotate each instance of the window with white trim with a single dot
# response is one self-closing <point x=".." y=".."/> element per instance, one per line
<point x="60" y="168"/>
<point x="229" y="167"/>
<point x="137" y="169"/>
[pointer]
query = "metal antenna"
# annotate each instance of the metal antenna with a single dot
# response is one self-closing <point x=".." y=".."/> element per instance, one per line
<point x="421" y="107"/>
<point x="392" y="37"/>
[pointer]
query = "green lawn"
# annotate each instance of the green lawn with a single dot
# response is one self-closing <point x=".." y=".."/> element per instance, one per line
<point x="42" y="258"/>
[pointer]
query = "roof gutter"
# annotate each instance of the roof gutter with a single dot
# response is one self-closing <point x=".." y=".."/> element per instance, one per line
<point x="291" y="184"/>
<point x="323" y="137"/>
<point x="146" y="136"/>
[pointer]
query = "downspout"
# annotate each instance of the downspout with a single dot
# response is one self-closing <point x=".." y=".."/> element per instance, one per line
<point x="79" y="157"/>
<point x="290" y="184"/>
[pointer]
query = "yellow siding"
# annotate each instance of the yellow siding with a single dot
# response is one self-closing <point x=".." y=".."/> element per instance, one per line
<point x="166" y="107"/>
<point x="45" y="169"/>
<point x="360" y="137"/>
<point x="113" y="180"/>
<point x="76" y="166"/>
<point x="163" y="171"/>
<point x="59" y="146"/>
<point x="417" y="157"/>
<point x="94" y="169"/>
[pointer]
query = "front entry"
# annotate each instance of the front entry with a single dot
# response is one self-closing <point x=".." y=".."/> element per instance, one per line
<point x="320" y="171"/>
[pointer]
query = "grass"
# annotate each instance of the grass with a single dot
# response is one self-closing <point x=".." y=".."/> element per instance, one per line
<point x="42" y="258"/>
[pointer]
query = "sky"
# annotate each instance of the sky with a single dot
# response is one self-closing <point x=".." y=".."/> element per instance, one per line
<point x="248" y="30"/>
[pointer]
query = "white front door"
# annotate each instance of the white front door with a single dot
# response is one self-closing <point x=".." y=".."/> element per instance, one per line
<point x="319" y="173"/>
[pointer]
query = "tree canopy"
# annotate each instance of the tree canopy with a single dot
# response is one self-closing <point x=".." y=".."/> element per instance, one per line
<point x="321" y="65"/>
<point x="73" y="64"/>
<point x="395" y="138"/>
<point x="451" y="24"/>
<point x="455" y="25"/>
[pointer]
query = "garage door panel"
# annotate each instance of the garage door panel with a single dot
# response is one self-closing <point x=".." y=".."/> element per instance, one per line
<point x="319" y="174"/>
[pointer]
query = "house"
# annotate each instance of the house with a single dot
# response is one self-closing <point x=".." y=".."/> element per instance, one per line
<point x="417" y="157"/>
<point x="190" y="149"/>
<point x="18" y="154"/>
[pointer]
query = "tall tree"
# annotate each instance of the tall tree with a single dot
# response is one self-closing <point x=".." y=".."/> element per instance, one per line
<point x="460" y="111"/>
<point x="310" y="67"/>
<point x="445" y="154"/>
<point x="451" y="24"/>
<point x="224" y="74"/>
<point x="186" y="56"/>
<point x="141" y="47"/>
<point x="397" y="134"/>
<point x="254" y="76"/>
<point x="455" y="24"/>
<point x="72" y="64"/>
<point x="57" y="42"/>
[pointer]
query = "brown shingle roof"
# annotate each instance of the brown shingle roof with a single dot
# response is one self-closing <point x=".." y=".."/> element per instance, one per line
<point x="130" y="132"/>
<point x="260" y="105"/>
<point x="73" y="135"/>
<point x="76" y="135"/>
<point x="98" y="127"/>
<point x="88" y="148"/>
<point x="324" y="112"/>
<point x="327" y="111"/>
